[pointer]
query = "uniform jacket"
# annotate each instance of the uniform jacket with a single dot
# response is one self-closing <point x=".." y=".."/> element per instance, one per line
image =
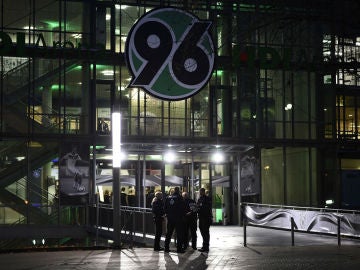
<point x="175" y="208"/>
<point x="190" y="209"/>
<point x="204" y="207"/>
<point x="157" y="206"/>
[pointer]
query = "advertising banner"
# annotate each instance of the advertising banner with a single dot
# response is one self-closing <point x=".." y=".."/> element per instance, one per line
<point x="74" y="173"/>
<point x="306" y="219"/>
<point x="250" y="173"/>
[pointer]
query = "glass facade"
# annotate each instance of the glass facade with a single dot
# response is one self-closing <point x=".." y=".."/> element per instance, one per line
<point x="282" y="104"/>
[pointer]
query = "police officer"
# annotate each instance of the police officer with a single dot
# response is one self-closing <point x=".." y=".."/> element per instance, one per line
<point x="157" y="206"/>
<point x="205" y="218"/>
<point x="175" y="213"/>
<point x="190" y="221"/>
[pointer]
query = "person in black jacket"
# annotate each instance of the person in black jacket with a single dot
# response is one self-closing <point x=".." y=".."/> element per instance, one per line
<point x="175" y="213"/>
<point x="205" y="218"/>
<point x="190" y="221"/>
<point x="157" y="206"/>
<point x="123" y="197"/>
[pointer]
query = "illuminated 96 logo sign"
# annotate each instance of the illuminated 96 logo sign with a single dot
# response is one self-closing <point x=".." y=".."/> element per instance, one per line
<point x="170" y="53"/>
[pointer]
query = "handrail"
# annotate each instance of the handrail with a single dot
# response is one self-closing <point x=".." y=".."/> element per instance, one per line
<point x="47" y="119"/>
<point x="127" y="208"/>
<point x="43" y="197"/>
<point x="17" y="68"/>
<point x="60" y="120"/>
<point x="136" y="209"/>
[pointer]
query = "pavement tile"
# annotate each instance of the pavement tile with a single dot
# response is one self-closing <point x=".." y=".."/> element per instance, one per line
<point x="266" y="249"/>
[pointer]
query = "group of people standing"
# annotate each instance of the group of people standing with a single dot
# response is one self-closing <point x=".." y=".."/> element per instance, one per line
<point x="182" y="214"/>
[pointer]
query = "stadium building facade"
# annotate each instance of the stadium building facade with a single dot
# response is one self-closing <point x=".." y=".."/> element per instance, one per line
<point x="276" y="121"/>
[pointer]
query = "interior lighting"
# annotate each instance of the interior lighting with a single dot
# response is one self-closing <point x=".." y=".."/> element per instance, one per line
<point x="218" y="157"/>
<point x="116" y="139"/>
<point x="117" y="6"/>
<point x="107" y="72"/>
<point x="52" y="24"/>
<point x="123" y="155"/>
<point x="29" y="27"/>
<point x="76" y="35"/>
<point x="56" y="87"/>
<point x="329" y="202"/>
<point x="288" y="107"/>
<point x="169" y="156"/>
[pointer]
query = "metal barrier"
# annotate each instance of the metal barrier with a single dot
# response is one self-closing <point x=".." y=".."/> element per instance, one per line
<point x="130" y="223"/>
<point x="327" y="221"/>
<point x="134" y="222"/>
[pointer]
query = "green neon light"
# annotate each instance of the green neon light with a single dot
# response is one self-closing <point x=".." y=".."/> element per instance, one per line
<point x="52" y="24"/>
<point x="218" y="73"/>
<point x="55" y="87"/>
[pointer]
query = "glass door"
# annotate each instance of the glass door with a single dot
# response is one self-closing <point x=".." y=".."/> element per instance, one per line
<point x="221" y="201"/>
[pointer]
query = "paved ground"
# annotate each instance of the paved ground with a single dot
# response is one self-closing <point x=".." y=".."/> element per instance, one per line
<point x="266" y="249"/>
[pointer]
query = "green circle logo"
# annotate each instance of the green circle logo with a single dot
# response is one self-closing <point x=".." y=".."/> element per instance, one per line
<point x="170" y="53"/>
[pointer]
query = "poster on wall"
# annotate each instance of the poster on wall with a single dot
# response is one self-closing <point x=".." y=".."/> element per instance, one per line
<point x="249" y="173"/>
<point x="74" y="173"/>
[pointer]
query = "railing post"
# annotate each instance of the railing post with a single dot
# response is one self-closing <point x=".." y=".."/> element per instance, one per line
<point x="339" y="230"/>
<point x="143" y="226"/>
<point x="97" y="212"/>
<point x="244" y="224"/>
<point x="292" y="231"/>
<point x="133" y="228"/>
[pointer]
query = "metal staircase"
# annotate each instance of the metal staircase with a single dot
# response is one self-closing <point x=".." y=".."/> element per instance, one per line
<point x="18" y="119"/>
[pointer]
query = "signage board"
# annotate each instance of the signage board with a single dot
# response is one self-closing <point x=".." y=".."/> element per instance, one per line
<point x="170" y="53"/>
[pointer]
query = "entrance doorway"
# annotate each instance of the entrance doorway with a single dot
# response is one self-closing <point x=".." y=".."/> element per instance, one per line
<point x="142" y="176"/>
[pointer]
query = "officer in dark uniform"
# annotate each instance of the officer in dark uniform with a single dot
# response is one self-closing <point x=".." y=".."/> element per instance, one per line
<point x="175" y="213"/>
<point x="190" y="221"/>
<point x="157" y="206"/>
<point x="205" y="218"/>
